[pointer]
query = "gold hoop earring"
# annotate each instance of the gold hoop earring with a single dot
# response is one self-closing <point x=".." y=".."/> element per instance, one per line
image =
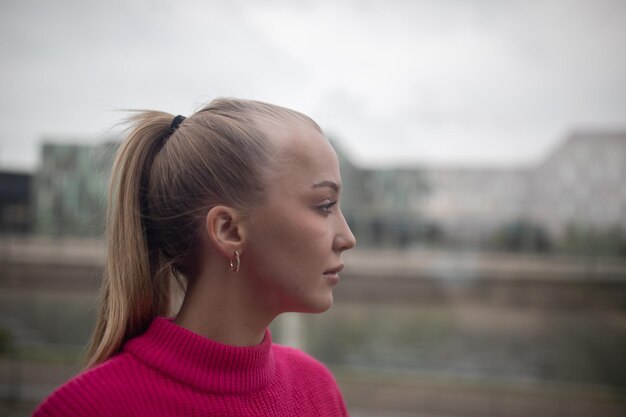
<point x="236" y="262"/>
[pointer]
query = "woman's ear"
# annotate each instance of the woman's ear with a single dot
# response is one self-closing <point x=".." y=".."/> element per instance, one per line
<point x="224" y="229"/>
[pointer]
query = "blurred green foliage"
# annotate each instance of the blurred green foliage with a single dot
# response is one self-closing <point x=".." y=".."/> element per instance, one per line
<point x="6" y="341"/>
<point x="530" y="237"/>
<point x="583" y="240"/>
<point x="523" y="236"/>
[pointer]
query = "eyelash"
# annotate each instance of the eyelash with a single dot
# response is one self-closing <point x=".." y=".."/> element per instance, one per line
<point x="325" y="208"/>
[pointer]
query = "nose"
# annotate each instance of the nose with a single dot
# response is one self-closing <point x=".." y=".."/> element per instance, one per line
<point x="344" y="239"/>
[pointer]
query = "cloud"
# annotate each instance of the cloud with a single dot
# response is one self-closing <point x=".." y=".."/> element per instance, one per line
<point x="412" y="81"/>
<point x="459" y="82"/>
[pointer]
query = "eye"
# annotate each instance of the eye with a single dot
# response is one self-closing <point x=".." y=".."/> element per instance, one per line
<point x="326" y="208"/>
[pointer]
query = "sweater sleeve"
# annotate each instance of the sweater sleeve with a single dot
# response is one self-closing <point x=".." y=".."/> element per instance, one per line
<point x="90" y="393"/>
<point x="64" y="402"/>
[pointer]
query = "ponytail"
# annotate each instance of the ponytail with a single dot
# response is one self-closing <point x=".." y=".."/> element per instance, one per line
<point x="134" y="289"/>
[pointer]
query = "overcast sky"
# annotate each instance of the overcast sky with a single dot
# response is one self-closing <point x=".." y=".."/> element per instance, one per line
<point x="395" y="82"/>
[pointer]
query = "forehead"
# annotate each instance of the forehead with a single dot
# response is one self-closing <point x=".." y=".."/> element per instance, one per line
<point x="304" y="157"/>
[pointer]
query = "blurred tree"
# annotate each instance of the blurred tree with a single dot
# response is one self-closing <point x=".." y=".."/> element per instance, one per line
<point x="5" y="342"/>
<point x="13" y="382"/>
<point x="585" y="240"/>
<point x="523" y="236"/>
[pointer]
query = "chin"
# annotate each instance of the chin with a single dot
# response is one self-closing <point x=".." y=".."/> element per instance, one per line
<point x="315" y="306"/>
<point x="322" y="305"/>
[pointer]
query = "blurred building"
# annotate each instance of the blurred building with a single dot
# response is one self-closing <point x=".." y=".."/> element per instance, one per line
<point x="581" y="183"/>
<point x="469" y="205"/>
<point x="382" y="205"/>
<point x="15" y="202"/>
<point x="69" y="189"/>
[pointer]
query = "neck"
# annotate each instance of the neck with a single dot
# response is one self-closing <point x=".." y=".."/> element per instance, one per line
<point x="219" y="306"/>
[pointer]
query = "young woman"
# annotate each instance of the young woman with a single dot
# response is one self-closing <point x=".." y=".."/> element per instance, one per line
<point x="239" y="203"/>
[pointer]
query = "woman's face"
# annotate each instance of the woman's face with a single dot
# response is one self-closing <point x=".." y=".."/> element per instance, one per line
<point x="294" y="240"/>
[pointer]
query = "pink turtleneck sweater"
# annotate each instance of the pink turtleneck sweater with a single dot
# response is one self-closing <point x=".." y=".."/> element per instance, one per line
<point x="171" y="371"/>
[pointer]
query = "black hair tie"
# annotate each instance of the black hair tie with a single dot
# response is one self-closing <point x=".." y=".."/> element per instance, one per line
<point x="175" y="123"/>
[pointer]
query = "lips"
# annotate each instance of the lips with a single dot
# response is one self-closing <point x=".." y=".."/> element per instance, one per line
<point x="334" y="270"/>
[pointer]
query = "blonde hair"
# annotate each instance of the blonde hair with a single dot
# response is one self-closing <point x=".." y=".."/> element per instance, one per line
<point x="161" y="188"/>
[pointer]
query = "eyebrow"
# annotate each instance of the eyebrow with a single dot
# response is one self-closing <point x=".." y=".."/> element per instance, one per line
<point x="329" y="184"/>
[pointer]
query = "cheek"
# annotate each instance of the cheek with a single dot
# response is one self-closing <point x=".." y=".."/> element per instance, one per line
<point x="292" y="245"/>
<point x="305" y="238"/>
<point x="293" y="229"/>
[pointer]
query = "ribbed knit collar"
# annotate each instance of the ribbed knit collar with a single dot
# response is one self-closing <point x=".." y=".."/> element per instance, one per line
<point x="205" y="364"/>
